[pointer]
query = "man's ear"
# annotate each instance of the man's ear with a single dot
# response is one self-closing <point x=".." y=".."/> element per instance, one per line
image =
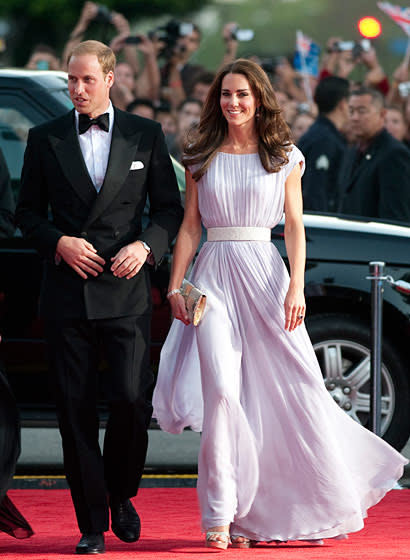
<point x="109" y="79"/>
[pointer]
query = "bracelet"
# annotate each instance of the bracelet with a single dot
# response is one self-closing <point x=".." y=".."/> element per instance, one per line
<point x="173" y="292"/>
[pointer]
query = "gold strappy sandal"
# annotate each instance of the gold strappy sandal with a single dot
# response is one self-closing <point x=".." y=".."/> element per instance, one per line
<point x="239" y="541"/>
<point x="217" y="539"/>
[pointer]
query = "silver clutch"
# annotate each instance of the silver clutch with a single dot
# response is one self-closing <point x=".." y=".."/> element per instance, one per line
<point x="195" y="301"/>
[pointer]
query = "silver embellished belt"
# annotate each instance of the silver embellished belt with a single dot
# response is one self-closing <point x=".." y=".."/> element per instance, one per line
<point x="238" y="234"/>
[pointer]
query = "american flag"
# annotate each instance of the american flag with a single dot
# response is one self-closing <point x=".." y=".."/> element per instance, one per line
<point x="303" y="43"/>
<point x="398" y="14"/>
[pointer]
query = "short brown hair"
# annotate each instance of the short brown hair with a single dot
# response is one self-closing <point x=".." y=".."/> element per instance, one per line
<point x="104" y="54"/>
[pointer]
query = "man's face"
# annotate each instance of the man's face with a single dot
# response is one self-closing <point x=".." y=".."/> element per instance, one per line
<point x="366" y="117"/>
<point x="88" y="87"/>
<point x="188" y="115"/>
<point x="124" y="76"/>
<point x="143" y="111"/>
<point x="200" y="91"/>
<point x="395" y="123"/>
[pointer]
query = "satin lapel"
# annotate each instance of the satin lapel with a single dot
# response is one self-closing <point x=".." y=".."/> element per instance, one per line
<point x="123" y="148"/>
<point x="68" y="152"/>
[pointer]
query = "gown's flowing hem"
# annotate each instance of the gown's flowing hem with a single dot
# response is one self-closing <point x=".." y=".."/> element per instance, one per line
<point x="352" y="524"/>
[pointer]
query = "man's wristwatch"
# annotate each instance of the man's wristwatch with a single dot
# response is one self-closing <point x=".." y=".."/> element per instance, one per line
<point x="146" y="247"/>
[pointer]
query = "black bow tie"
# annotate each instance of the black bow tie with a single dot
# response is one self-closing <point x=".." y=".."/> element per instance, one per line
<point x="84" y="122"/>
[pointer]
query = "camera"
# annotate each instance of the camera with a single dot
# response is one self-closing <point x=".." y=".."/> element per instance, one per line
<point x="357" y="47"/>
<point x="103" y="15"/>
<point x="242" y="34"/>
<point x="404" y="89"/>
<point x="169" y="35"/>
<point x="133" y="40"/>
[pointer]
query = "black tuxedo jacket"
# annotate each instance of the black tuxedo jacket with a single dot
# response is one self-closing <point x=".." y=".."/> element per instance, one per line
<point x="57" y="197"/>
<point x="377" y="184"/>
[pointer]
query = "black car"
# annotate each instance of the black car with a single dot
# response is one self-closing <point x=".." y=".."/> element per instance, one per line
<point x="337" y="288"/>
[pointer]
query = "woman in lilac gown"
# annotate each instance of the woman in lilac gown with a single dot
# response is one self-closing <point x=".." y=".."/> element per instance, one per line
<point x="279" y="460"/>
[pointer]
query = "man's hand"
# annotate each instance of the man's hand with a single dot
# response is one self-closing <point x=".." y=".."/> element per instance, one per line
<point x="129" y="260"/>
<point x="80" y="255"/>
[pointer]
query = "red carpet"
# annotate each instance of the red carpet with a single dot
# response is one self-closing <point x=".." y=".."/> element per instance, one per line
<point x="170" y="530"/>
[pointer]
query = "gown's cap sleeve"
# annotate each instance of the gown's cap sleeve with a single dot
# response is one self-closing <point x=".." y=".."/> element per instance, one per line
<point x="295" y="158"/>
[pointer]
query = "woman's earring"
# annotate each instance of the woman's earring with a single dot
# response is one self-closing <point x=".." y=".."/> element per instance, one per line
<point x="257" y="112"/>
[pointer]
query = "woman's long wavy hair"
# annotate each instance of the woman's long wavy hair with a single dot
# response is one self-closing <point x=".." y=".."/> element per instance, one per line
<point x="274" y="135"/>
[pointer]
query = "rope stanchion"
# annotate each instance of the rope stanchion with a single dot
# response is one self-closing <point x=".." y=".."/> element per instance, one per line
<point x="377" y="279"/>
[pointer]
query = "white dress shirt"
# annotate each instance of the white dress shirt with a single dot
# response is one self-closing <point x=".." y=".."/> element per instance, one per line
<point x="95" y="146"/>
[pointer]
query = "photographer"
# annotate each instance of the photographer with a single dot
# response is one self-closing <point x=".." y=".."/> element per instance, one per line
<point x="146" y="82"/>
<point x="93" y="12"/>
<point x="344" y="56"/>
<point x="231" y="43"/>
<point x="179" y="41"/>
<point x="87" y="15"/>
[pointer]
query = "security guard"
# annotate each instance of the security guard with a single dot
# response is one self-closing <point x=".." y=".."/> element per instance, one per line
<point x="324" y="145"/>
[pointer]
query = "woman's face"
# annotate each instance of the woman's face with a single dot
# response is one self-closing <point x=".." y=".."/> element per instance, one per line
<point x="237" y="101"/>
<point x="395" y="124"/>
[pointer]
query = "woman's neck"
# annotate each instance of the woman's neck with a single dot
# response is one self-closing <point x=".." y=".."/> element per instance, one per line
<point x="240" y="142"/>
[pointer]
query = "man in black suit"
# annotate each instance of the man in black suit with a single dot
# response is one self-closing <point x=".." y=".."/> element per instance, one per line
<point x="324" y="145"/>
<point x="95" y="168"/>
<point x="376" y="173"/>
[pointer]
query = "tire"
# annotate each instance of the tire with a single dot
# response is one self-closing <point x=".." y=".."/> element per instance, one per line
<point x="342" y="346"/>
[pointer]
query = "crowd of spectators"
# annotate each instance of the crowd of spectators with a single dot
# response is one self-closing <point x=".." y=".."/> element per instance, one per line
<point x="338" y="123"/>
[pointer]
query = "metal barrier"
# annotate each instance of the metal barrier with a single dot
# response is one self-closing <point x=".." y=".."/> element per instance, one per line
<point x="377" y="279"/>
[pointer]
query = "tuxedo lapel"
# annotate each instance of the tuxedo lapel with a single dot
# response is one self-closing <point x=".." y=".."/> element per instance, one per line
<point x="68" y="152"/>
<point x="123" y="148"/>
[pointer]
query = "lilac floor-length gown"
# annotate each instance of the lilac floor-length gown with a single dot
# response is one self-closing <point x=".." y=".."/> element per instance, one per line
<point x="278" y="458"/>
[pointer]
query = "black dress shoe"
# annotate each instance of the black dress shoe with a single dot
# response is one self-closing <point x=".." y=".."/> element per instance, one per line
<point x="125" y="521"/>
<point x="91" y="543"/>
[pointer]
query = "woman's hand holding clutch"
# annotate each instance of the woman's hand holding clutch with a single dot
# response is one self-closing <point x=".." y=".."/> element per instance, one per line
<point x="178" y="308"/>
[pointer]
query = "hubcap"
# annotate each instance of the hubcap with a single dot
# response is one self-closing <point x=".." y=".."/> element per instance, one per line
<point x="346" y="371"/>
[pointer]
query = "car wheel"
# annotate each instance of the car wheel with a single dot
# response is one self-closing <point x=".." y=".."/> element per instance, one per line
<point x="342" y="345"/>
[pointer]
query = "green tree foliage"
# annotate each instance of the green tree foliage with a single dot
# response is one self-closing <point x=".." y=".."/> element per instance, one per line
<point x="50" y="21"/>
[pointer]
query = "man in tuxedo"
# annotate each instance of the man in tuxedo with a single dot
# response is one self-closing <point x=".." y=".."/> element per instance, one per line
<point x="375" y="174"/>
<point x="94" y="169"/>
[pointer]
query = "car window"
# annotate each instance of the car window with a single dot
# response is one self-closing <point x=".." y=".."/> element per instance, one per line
<point x="14" y="127"/>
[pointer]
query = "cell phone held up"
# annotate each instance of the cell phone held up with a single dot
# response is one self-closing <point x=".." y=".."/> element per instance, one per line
<point x="133" y="40"/>
<point x="404" y="89"/>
